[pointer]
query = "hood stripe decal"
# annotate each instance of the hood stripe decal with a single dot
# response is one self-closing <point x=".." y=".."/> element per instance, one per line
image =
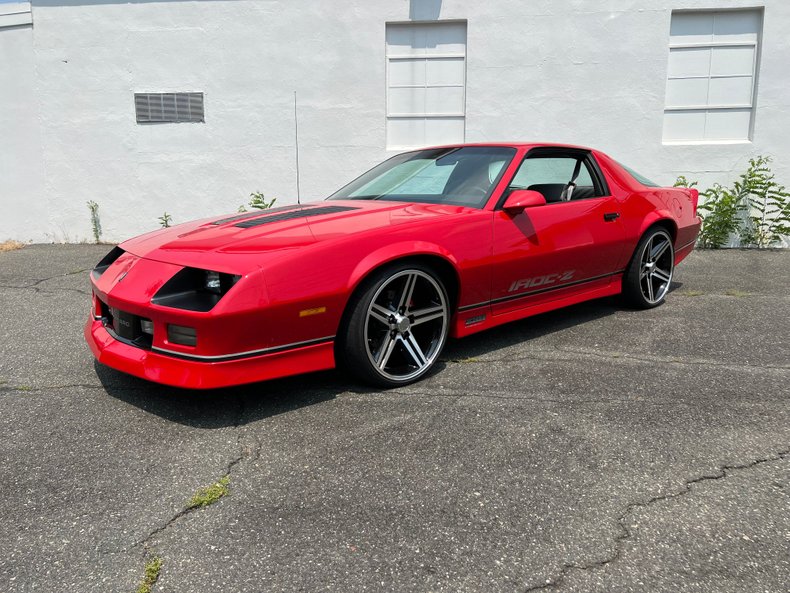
<point x="301" y="213"/>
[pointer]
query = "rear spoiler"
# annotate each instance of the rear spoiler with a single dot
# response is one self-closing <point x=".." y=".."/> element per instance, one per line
<point x="694" y="195"/>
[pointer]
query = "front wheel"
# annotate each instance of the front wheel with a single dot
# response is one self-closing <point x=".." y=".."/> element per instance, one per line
<point x="648" y="276"/>
<point x="396" y="327"/>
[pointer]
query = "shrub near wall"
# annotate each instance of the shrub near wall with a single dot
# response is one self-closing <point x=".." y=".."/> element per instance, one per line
<point x="755" y="209"/>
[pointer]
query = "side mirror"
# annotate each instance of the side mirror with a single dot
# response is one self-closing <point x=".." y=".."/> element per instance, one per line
<point x="520" y="199"/>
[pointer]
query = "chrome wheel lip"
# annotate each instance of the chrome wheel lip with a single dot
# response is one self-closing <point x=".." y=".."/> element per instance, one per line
<point x="402" y="328"/>
<point x="653" y="263"/>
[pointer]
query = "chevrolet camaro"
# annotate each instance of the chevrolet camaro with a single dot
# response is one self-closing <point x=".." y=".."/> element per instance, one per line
<point x="430" y="244"/>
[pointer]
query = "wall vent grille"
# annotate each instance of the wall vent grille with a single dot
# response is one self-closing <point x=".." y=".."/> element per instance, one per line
<point x="169" y="107"/>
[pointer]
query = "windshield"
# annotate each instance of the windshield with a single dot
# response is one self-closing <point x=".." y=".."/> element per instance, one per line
<point x="464" y="176"/>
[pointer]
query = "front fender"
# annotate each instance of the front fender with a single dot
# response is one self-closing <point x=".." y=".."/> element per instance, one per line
<point x="395" y="251"/>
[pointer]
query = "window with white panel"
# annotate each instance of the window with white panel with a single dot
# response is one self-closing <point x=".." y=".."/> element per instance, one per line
<point x="426" y="83"/>
<point x="14" y="13"/>
<point x="711" y="74"/>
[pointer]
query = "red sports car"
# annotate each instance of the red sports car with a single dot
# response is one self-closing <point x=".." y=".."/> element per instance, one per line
<point x="446" y="241"/>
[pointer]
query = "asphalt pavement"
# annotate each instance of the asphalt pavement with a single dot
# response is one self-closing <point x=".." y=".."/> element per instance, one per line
<point x="593" y="449"/>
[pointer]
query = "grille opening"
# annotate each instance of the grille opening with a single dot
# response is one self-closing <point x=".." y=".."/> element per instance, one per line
<point x="126" y="327"/>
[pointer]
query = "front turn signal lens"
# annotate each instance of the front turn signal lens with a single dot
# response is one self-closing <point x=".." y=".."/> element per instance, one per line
<point x="180" y="334"/>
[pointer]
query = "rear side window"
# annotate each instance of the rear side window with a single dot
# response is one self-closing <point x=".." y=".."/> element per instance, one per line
<point x="640" y="178"/>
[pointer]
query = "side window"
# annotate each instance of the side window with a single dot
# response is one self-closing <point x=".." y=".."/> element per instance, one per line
<point x="551" y="175"/>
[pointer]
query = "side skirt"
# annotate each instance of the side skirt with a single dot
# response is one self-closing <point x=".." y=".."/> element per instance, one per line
<point x="482" y="319"/>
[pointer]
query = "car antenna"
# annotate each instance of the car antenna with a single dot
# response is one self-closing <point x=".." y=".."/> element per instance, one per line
<point x="296" y="135"/>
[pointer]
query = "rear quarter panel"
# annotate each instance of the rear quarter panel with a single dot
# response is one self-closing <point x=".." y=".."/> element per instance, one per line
<point x="645" y="206"/>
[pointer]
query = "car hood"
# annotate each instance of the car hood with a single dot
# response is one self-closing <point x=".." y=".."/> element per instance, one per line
<point x="236" y="242"/>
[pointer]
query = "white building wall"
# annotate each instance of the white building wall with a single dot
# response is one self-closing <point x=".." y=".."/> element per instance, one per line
<point x="23" y="212"/>
<point x="582" y="71"/>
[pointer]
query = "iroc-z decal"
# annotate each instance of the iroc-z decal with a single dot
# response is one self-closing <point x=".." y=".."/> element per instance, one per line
<point x="547" y="280"/>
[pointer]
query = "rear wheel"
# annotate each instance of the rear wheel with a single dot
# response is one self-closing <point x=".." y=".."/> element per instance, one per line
<point x="397" y="326"/>
<point x="649" y="274"/>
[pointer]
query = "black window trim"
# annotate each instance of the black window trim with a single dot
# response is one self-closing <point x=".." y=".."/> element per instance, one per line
<point x="598" y="179"/>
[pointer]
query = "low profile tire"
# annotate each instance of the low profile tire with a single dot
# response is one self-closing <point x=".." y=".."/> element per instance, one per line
<point x="649" y="274"/>
<point x="396" y="326"/>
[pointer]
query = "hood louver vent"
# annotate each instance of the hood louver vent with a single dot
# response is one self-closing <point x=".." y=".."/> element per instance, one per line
<point x="256" y="214"/>
<point x="301" y="213"/>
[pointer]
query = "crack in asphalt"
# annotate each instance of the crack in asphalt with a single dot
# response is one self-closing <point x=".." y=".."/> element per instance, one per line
<point x="463" y="394"/>
<point x="730" y="295"/>
<point x="30" y="389"/>
<point x="614" y="356"/>
<point x="38" y="290"/>
<point x="63" y="275"/>
<point x="35" y="284"/>
<point x="245" y="452"/>
<point x="627" y="534"/>
<point x="663" y="359"/>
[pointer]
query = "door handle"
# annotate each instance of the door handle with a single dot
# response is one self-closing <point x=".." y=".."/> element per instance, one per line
<point x="611" y="216"/>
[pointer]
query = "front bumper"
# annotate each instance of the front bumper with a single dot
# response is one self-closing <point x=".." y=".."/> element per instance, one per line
<point x="191" y="374"/>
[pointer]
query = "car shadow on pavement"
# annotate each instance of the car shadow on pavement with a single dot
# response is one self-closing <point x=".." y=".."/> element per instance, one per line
<point x="231" y="406"/>
<point x="524" y="330"/>
<point x="235" y="406"/>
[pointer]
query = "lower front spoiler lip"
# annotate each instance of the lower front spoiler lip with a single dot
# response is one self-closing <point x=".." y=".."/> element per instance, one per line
<point x="190" y="374"/>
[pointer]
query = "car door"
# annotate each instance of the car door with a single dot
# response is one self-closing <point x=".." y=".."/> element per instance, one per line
<point x="570" y="245"/>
